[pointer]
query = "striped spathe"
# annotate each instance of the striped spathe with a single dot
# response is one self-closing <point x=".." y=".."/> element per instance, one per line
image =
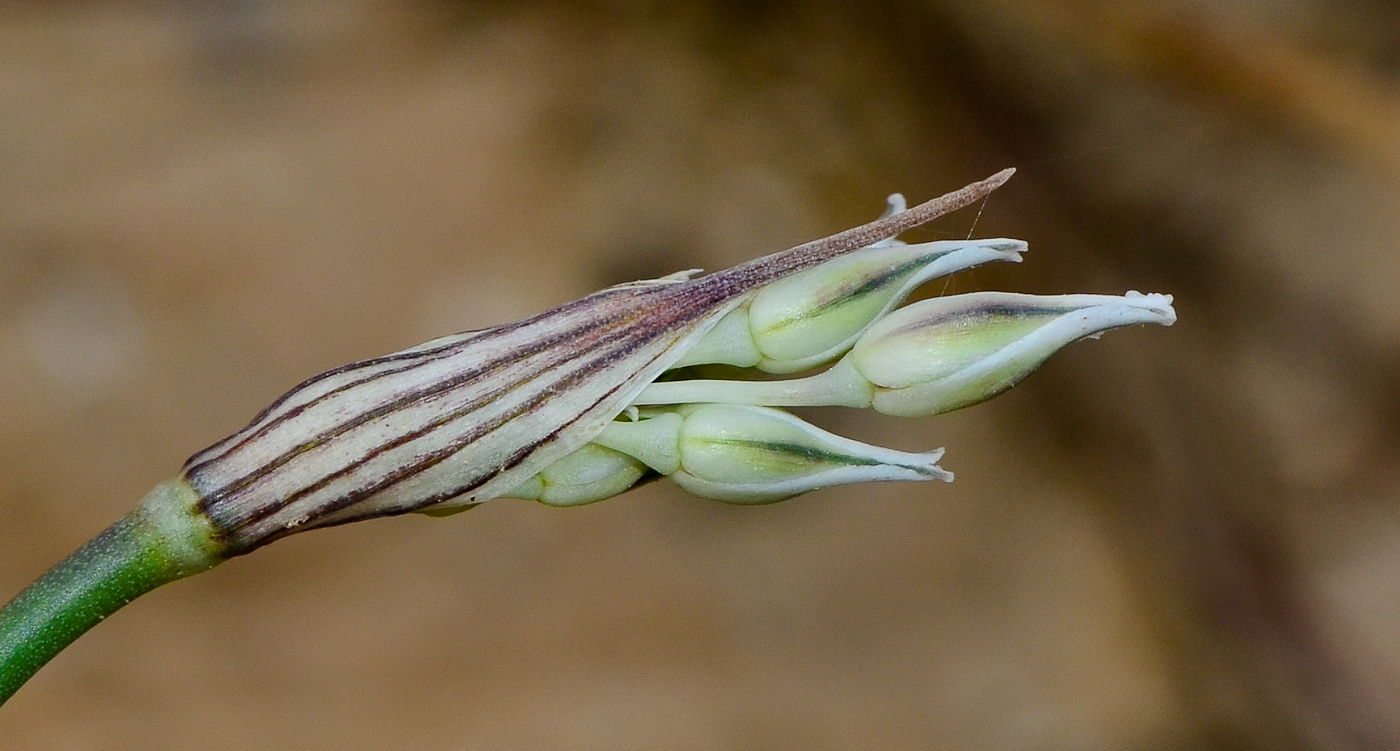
<point x="465" y="418"/>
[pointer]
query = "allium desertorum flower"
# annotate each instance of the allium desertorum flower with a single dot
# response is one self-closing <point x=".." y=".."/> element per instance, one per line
<point x="580" y="403"/>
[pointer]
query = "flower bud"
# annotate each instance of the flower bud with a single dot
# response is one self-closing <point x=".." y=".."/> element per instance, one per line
<point x="946" y="353"/>
<point x="813" y="317"/>
<point x="589" y="474"/>
<point x="745" y="454"/>
<point x="734" y="453"/>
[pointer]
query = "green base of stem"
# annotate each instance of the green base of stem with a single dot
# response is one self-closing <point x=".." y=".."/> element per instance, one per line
<point x="162" y="540"/>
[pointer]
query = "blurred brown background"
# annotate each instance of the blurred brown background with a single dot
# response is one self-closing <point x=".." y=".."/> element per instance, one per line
<point x="1169" y="539"/>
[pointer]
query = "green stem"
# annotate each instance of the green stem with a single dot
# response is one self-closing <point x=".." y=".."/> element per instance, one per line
<point x="163" y="539"/>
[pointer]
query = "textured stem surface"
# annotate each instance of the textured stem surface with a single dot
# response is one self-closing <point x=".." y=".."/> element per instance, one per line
<point x="155" y="544"/>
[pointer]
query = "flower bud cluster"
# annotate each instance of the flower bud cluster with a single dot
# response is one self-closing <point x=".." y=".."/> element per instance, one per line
<point x="725" y="439"/>
<point x="584" y="401"/>
<point x="531" y="409"/>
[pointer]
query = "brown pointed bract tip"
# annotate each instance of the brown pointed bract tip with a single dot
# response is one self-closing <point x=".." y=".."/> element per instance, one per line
<point x="946" y="204"/>
<point x="771" y="267"/>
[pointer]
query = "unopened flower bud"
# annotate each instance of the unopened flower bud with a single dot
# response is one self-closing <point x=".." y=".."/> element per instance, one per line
<point x="744" y="454"/>
<point x="813" y="317"/>
<point x="947" y="353"/>
<point x="589" y="474"/>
